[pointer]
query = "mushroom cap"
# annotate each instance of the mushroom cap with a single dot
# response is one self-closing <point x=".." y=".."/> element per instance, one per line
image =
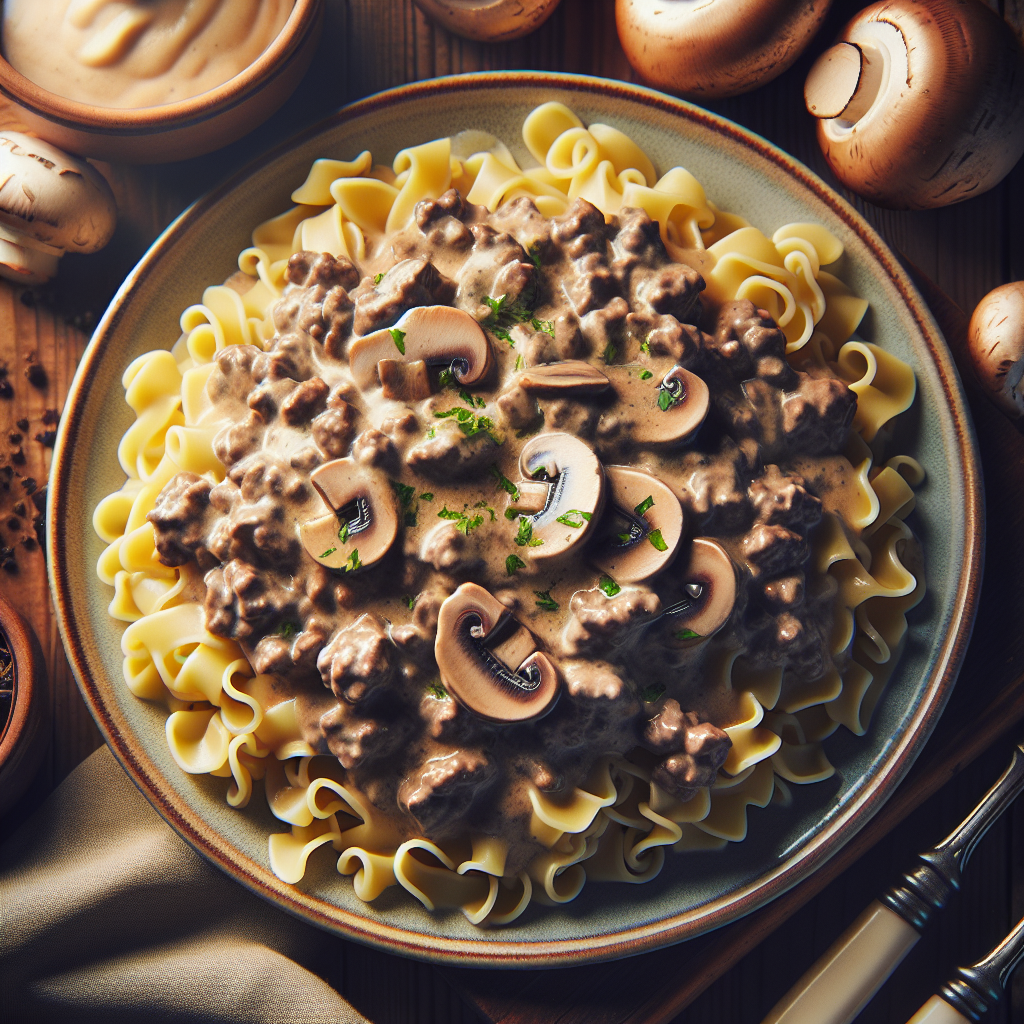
<point x="576" y="492"/>
<point x="649" y="423"/>
<point x="489" y="21"/>
<point x="373" y="529"/>
<point x="489" y="660"/>
<point x="995" y="341"/>
<point x="570" y="376"/>
<point x="639" y="558"/>
<point x="710" y="568"/>
<point x="713" y="48"/>
<point x="935" y="102"/>
<point x="437" y="335"/>
<point x="53" y="198"/>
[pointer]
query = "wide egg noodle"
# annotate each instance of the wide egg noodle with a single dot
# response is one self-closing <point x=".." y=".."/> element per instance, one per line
<point x="227" y="721"/>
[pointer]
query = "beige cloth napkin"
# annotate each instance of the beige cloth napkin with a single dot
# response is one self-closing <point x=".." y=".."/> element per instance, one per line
<point x="105" y="913"/>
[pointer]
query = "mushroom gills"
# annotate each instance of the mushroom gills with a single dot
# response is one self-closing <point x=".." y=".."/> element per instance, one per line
<point x="642" y="529"/>
<point x="561" y="493"/>
<point x="708" y="594"/>
<point x="489" y="660"/>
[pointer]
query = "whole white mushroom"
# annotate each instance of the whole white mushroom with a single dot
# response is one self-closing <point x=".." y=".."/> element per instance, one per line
<point x="50" y="203"/>
<point x="995" y="340"/>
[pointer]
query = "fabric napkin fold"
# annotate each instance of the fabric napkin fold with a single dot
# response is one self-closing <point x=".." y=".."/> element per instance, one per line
<point x="107" y="914"/>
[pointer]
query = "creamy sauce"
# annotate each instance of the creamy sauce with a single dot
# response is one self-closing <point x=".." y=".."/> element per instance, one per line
<point x="137" y="53"/>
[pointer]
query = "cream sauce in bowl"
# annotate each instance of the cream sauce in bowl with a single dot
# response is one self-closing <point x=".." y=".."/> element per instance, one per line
<point x="137" y="53"/>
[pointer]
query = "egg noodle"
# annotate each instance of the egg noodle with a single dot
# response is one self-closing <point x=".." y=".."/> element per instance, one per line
<point x="227" y="721"/>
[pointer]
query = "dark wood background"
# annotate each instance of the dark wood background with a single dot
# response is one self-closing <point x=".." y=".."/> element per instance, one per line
<point x="966" y="250"/>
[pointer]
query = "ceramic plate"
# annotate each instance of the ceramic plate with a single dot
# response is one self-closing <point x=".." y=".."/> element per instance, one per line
<point x="694" y="893"/>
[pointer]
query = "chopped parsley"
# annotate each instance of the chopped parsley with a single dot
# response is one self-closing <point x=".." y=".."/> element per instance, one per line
<point x="409" y="601"/>
<point x="645" y="346"/>
<point x="446" y="378"/>
<point x="666" y="400"/>
<point x="513" y="564"/>
<point x="525" y="538"/>
<point x="519" y="363"/>
<point x="504" y="484"/>
<point x="510" y="513"/>
<point x="329" y="551"/>
<point x="470" y="424"/>
<point x="353" y="563"/>
<point x="447" y="513"/>
<point x="670" y="393"/>
<point x="436" y="690"/>
<point x="644" y="505"/>
<point x="646" y="375"/>
<point x="686" y="634"/>
<point x="657" y="540"/>
<point x="343" y="533"/>
<point x="575" y="518"/>
<point x="610" y="352"/>
<point x="427" y="496"/>
<point x="407" y="497"/>
<point x="649" y="694"/>
<point x="398" y="337"/>
<point x="378" y="278"/>
<point x="504" y="316"/>
<point x="289" y="628"/>
<point x="609" y="586"/>
<point x="463" y="523"/>
<point x="547" y="326"/>
<point x="545" y="601"/>
<point x="534" y="253"/>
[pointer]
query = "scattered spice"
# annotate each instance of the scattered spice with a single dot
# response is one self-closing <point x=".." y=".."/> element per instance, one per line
<point x="22" y="425"/>
<point x="35" y="374"/>
<point x="18" y="457"/>
<point x="14" y="437"/>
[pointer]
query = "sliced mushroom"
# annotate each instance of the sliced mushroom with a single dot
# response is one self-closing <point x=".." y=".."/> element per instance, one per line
<point x="489" y="21"/>
<point x="50" y="203"/>
<point x="489" y="661"/>
<point x="715" y="47"/>
<point x="660" y="412"/>
<point x="708" y="594"/>
<point x="404" y="382"/>
<point x="920" y="104"/>
<point x="995" y="342"/>
<point x="437" y="335"/>
<point x="363" y="522"/>
<point x="645" y="525"/>
<point x="573" y="493"/>
<point x="569" y="378"/>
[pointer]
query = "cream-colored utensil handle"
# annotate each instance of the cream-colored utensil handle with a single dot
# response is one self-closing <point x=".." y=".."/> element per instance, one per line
<point x="844" y="979"/>
<point x="938" y="1011"/>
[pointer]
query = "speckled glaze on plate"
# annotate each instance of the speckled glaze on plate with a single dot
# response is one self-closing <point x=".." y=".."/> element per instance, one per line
<point x="695" y="892"/>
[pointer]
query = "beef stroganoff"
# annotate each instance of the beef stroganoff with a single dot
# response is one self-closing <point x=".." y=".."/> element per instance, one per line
<point x="513" y="525"/>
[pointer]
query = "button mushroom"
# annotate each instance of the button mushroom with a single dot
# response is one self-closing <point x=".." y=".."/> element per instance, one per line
<point x="665" y="412"/>
<point x="489" y="661"/>
<point x="711" y="48"/>
<point x="709" y="593"/>
<point x="568" y="378"/>
<point x="363" y="522"/>
<point x="920" y="104"/>
<point x="561" y="495"/>
<point x="648" y="526"/>
<point x="437" y="335"/>
<point x="995" y="341"/>
<point x="50" y="203"/>
<point x="489" y="21"/>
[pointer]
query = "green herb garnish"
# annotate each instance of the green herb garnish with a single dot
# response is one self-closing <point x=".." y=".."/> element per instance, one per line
<point x="686" y="634"/>
<point x="446" y="378"/>
<point x="525" y="538"/>
<point x="427" y="496"/>
<point x="534" y="253"/>
<point x="504" y="316"/>
<point x="503" y="482"/>
<point x="545" y="601"/>
<point x="644" y="505"/>
<point x="609" y="586"/>
<point x="353" y="563"/>
<point x="646" y="375"/>
<point x="398" y="337"/>
<point x="645" y="346"/>
<point x="666" y="399"/>
<point x="447" y="513"/>
<point x="513" y="564"/>
<point x="329" y="551"/>
<point x="436" y="689"/>
<point x="547" y="326"/>
<point x="409" y="601"/>
<point x="289" y="628"/>
<point x="378" y="278"/>
<point x="343" y="534"/>
<point x="519" y="363"/>
<point x="610" y="352"/>
<point x="657" y="540"/>
<point x="575" y="518"/>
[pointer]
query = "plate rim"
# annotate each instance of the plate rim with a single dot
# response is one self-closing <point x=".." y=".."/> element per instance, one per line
<point x="633" y="939"/>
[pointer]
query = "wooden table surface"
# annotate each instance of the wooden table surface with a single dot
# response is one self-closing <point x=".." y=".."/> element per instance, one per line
<point x="966" y="250"/>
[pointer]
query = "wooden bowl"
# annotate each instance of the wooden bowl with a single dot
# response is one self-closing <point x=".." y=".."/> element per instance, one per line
<point x="23" y="738"/>
<point x="174" y="131"/>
